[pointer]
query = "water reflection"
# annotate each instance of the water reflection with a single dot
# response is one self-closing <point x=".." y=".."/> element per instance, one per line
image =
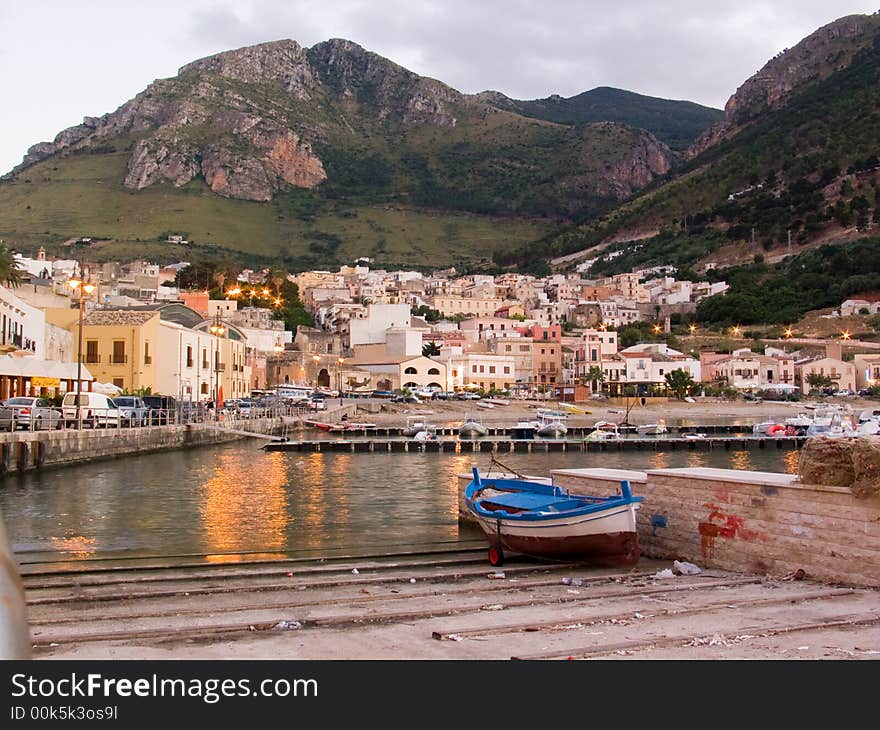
<point x="237" y="499"/>
<point x="245" y="504"/>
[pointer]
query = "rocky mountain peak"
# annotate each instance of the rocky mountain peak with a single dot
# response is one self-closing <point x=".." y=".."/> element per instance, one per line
<point x="829" y="49"/>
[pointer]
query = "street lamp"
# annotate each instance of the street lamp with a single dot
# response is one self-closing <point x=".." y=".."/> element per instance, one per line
<point x="339" y="377"/>
<point x="218" y="330"/>
<point x="84" y="290"/>
<point x="692" y="328"/>
<point x="278" y="348"/>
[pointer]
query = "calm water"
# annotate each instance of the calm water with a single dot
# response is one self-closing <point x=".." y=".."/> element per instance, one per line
<point x="238" y="499"/>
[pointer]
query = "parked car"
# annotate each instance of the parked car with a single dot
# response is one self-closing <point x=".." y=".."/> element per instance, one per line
<point x="90" y="408"/>
<point x="31" y="413"/>
<point x="161" y="409"/>
<point x="132" y="410"/>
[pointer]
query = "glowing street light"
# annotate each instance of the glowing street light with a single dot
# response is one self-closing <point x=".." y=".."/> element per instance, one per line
<point x="736" y="331"/>
<point x="84" y="290"/>
<point x="692" y="328"/>
<point x="788" y="332"/>
<point x="657" y="328"/>
<point x="845" y="335"/>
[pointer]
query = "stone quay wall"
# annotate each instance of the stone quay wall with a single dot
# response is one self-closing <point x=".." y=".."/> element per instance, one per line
<point x="24" y="451"/>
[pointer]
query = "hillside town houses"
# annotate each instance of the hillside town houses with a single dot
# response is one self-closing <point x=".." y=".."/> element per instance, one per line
<point x="373" y="330"/>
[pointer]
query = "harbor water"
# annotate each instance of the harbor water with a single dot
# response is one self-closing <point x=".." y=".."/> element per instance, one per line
<point x="238" y="500"/>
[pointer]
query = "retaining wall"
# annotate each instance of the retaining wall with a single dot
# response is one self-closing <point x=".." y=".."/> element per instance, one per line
<point x="753" y="522"/>
<point x="25" y="451"/>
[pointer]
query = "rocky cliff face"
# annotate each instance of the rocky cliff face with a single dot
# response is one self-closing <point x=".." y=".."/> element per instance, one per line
<point x="207" y="122"/>
<point x="817" y="56"/>
<point x="650" y="159"/>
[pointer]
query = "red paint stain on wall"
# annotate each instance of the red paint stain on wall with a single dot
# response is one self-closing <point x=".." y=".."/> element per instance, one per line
<point x="720" y="524"/>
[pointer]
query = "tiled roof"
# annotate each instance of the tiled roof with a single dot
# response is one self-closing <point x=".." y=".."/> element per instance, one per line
<point x="107" y="317"/>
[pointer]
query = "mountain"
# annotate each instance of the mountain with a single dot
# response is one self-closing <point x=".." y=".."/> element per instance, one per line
<point x="676" y="123"/>
<point x="793" y="164"/>
<point x="313" y="156"/>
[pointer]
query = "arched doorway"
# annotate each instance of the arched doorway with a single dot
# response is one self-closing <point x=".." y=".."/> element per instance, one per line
<point x="323" y="378"/>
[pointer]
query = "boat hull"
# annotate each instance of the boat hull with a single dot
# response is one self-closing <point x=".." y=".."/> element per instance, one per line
<point x="546" y="521"/>
<point x="611" y="539"/>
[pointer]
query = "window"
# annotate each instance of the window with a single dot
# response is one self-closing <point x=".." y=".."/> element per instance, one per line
<point x="492" y="369"/>
<point x="92" y="351"/>
<point x="118" y="357"/>
<point x="205" y="358"/>
<point x="433" y="371"/>
<point x="204" y="389"/>
<point x="148" y="359"/>
<point x="661" y="371"/>
<point x="410" y="371"/>
<point x="119" y="382"/>
<point x="189" y="356"/>
<point x="455" y="373"/>
<point x="543" y="351"/>
<point x="507" y="348"/>
<point x="507" y="370"/>
<point x="482" y="369"/>
<point x="473" y="368"/>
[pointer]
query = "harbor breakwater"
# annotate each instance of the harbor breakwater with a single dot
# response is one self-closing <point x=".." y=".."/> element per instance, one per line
<point x="24" y="451"/>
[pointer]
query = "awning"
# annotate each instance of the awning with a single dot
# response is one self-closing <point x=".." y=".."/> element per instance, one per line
<point x="30" y="367"/>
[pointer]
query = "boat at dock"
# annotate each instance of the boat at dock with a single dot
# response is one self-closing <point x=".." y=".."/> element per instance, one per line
<point x="414" y="424"/>
<point x="546" y="521"/>
<point x="652" y="429"/>
<point x="343" y="426"/>
<point x="603" y="431"/>
<point x="551" y="427"/>
<point x="471" y="428"/>
<point x="524" y="429"/>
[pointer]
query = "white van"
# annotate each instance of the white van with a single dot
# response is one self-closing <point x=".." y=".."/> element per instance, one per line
<point x="95" y="409"/>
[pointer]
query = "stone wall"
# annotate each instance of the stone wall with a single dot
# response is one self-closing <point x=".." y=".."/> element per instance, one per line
<point x="752" y="522"/>
<point x="24" y="451"/>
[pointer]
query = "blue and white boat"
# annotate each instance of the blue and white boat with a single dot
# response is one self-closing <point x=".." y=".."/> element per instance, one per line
<point x="546" y="521"/>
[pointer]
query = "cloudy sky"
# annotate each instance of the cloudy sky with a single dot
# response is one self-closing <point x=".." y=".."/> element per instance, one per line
<point x="62" y="60"/>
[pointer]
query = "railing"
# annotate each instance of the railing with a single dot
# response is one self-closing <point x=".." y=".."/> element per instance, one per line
<point x="92" y="359"/>
<point x="118" y="359"/>
<point x="148" y="359"/>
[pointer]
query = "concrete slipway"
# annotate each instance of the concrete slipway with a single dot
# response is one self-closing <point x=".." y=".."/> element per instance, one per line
<point x="443" y="603"/>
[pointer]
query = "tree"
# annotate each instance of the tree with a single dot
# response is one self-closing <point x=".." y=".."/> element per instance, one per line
<point x="10" y="273"/>
<point x="679" y="382"/>
<point x="817" y="380"/>
<point x="430" y="349"/>
<point x="594" y="375"/>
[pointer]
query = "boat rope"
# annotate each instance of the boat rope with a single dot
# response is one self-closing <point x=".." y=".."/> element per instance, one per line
<point x="496" y="462"/>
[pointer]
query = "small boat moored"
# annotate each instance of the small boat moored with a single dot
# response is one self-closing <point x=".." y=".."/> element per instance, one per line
<point x="546" y="521"/>
<point x="471" y="428"/>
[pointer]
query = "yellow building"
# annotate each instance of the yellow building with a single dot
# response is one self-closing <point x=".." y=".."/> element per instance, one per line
<point x="167" y="348"/>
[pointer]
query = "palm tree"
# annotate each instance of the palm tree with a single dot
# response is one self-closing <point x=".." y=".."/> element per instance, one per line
<point x="594" y="375"/>
<point x="10" y="273"/>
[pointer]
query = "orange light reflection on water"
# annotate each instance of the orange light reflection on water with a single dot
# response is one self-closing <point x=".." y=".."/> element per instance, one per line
<point x="78" y="546"/>
<point x="245" y="504"/>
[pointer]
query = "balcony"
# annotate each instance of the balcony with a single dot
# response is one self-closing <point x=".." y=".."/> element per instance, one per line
<point x="219" y="367"/>
<point x="92" y="358"/>
<point x="148" y="359"/>
<point x="118" y="359"/>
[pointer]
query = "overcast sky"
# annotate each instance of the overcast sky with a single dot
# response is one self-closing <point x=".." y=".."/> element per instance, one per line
<point x="62" y="60"/>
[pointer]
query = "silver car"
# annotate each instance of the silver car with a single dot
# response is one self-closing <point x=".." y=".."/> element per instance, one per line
<point x="132" y="410"/>
<point x="29" y="413"/>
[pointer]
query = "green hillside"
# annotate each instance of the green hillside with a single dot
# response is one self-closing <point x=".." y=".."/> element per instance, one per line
<point x="809" y="168"/>
<point x="397" y="167"/>
<point x="677" y="123"/>
<point x="80" y="196"/>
